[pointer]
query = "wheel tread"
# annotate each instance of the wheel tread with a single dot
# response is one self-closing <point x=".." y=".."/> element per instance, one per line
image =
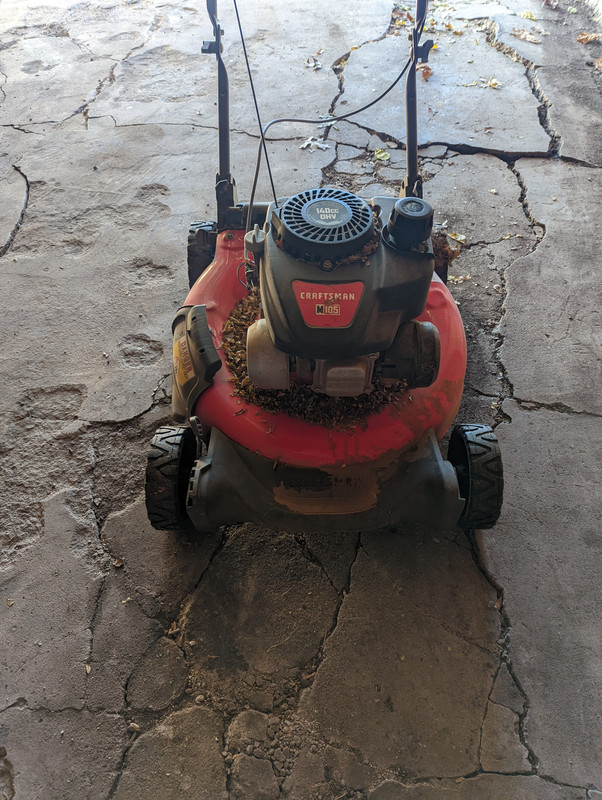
<point x="475" y="452"/>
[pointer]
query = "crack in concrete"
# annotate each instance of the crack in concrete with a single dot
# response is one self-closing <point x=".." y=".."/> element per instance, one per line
<point x="560" y="408"/>
<point x="534" y="223"/>
<point x="313" y="558"/>
<point x="20" y="129"/>
<point x="11" y="237"/>
<point x="2" y="85"/>
<point x="485" y="709"/>
<point x="319" y="658"/>
<point x="7" y="776"/>
<point x="186" y="603"/>
<point x="20" y="702"/>
<point x="338" y="65"/>
<point x="110" y="78"/>
<point x="92" y="629"/>
<point x="83" y="109"/>
<point x="456" y="634"/>
<point x="504" y="641"/>
<point x="491" y="30"/>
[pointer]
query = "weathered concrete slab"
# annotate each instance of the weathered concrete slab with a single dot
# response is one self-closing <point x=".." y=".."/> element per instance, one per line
<point x="74" y="755"/>
<point x="501" y="749"/>
<point x="379" y="710"/>
<point x="178" y="759"/>
<point x="14" y="193"/>
<point x="122" y="634"/>
<point x="482" y="787"/>
<point x="575" y="112"/>
<point x="259" y="635"/>
<point x="55" y="606"/>
<point x="451" y="109"/>
<point x="479" y="197"/>
<point x="48" y="77"/>
<point x="160" y="568"/>
<point x="82" y="360"/>
<point x="566" y="333"/>
<point x="118" y="206"/>
<point x="253" y="777"/>
<point x="159" y="678"/>
<point x="170" y="79"/>
<point x="551" y="587"/>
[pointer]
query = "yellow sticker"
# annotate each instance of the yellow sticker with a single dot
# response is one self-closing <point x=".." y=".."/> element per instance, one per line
<point x="182" y="363"/>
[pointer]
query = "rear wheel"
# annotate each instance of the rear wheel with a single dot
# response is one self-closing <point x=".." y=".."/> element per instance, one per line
<point x="170" y="459"/>
<point x="475" y="453"/>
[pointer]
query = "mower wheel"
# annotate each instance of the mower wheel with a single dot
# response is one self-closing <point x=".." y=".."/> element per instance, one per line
<point x="475" y="453"/>
<point x="201" y="249"/>
<point x="170" y="459"/>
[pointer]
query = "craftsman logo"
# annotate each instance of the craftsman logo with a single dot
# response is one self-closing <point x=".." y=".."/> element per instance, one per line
<point x="328" y="305"/>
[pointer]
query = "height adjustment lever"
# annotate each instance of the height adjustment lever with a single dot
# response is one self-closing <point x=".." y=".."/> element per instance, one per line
<point x="422" y="50"/>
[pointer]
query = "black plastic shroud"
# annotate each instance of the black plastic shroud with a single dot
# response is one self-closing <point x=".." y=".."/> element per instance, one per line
<point x="395" y="289"/>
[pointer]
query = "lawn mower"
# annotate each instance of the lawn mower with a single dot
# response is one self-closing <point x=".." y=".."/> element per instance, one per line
<point x="318" y="361"/>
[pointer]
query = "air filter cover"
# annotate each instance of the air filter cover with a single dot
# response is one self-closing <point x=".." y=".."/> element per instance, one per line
<point x="323" y="224"/>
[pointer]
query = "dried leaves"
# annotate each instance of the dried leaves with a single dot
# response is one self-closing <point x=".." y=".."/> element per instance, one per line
<point x="298" y="401"/>
<point x="425" y="71"/>
<point x="519" y="33"/>
<point x="598" y="64"/>
<point x="486" y="83"/>
<point x="444" y="252"/>
<point x="588" y="38"/>
<point x="381" y="155"/>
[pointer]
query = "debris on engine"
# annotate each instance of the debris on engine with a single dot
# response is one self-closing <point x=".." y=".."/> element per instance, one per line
<point x="298" y="401"/>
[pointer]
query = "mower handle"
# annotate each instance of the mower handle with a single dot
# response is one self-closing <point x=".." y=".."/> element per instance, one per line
<point x="421" y="7"/>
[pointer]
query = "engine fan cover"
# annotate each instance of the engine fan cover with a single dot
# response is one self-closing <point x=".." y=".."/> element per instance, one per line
<point x="323" y="224"/>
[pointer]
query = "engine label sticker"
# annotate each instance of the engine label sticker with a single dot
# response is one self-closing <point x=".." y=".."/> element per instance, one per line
<point x="328" y="305"/>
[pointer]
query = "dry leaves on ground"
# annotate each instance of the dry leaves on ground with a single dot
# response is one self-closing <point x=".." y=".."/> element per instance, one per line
<point x="382" y="155"/>
<point x="519" y="33"/>
<point x="598" y="64"/>
<point x="425" y="71"/>
<point x="587" y="38"/>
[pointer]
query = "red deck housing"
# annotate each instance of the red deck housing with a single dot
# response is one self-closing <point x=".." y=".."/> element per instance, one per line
<point x="293" y="441"/>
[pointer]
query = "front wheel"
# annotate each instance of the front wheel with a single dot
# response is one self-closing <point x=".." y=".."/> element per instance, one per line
<point x="475" y="453"/>
<point x="170" y="459"/>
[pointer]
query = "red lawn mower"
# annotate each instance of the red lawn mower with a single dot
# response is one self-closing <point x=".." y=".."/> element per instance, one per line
<point x="318" y="360"/>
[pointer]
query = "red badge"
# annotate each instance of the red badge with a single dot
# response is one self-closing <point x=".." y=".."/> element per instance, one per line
<point x="328" y="305"/>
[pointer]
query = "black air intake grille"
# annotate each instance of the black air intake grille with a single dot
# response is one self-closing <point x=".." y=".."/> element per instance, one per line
<point x="326" y="223"/>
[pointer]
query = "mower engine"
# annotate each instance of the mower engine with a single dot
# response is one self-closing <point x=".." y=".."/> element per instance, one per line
<point x="341" y="283"/>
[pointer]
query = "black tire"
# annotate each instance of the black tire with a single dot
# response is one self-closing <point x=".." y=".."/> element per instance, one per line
<point x="201" y="250"/>
<point x="170" y="459"/>
<point x="475" y="453"/>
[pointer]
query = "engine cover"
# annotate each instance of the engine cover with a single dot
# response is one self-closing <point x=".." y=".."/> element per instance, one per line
<point x="331" y="286"/>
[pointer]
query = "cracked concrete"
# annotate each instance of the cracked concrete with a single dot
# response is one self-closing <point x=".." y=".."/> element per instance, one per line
<point x="254" y="663"/>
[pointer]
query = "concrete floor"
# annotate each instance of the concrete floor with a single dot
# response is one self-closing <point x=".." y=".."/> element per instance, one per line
<point x="261" y="664"/>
